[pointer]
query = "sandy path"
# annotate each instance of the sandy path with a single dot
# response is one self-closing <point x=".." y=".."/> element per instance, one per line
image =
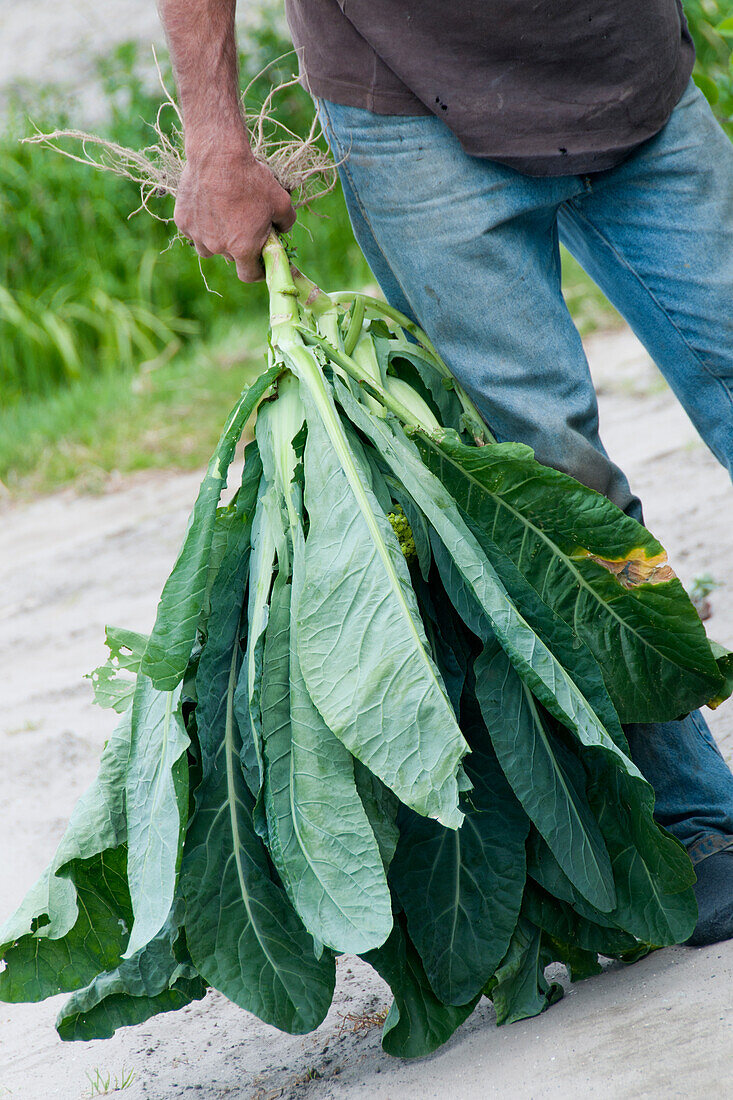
<point x="57" y="41"/>
<point x="70" y="564"/>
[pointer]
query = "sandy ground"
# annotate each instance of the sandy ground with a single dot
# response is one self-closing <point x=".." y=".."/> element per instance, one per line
<point x="56" y="42"/>
<point x="69" y="564"/>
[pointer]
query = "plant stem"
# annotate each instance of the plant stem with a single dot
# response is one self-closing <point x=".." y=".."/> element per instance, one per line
<point x="477" y="423"/>
<point x="394" y="314"/>
<point x="284" y="313"/>
<point x="310" y="296"/>
<point x="354" y="330"/>
<point x="288" y="332"/>
<point x="352" y="368"/>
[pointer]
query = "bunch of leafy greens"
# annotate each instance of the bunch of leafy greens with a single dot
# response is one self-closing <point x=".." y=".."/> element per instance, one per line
<point x="379" y="713"/>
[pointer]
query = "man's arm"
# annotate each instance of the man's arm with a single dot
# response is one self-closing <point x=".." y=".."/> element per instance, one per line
<point x="227" y="201"/>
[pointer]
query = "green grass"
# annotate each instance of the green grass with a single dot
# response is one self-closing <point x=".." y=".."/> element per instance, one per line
<point x="588" y="305"/>
<point x="104" y="1083"/>
<point x="169" y="417"/>
<point x="86" y="290"/>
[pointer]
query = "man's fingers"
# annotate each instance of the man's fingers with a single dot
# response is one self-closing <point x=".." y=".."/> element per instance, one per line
<point x="250" y="270"/>
<point x="284" y="217"/>
<point x="283" y="212"/>
<point x="202" y="250"/>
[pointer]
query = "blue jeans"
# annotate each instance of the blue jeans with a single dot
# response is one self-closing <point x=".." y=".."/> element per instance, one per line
<point x="470" y="249"/>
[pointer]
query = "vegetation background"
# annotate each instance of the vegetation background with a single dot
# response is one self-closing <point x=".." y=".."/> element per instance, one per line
<point x="114" y="355"/>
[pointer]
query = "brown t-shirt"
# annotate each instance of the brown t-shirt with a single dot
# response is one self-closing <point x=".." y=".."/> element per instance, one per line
<point x="550" y="87"/>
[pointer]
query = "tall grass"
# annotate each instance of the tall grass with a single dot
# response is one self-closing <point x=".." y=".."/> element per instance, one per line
<point x="84" y="289"/>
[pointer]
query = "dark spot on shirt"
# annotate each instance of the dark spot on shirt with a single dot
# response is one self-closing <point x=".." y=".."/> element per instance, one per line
<point x="443" y="106"/>
<point x="563" y="150"/>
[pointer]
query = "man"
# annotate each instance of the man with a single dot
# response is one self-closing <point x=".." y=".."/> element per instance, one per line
<point x="472" y="138"/>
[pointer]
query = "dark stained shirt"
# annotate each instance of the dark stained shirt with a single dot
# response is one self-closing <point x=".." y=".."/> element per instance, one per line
<point x="549" y="87"/>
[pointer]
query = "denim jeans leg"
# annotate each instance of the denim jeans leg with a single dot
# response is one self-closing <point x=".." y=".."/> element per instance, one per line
<point x="693" y="785"/>
<point x="469" y="249"/>
<point x="656" y="234"/>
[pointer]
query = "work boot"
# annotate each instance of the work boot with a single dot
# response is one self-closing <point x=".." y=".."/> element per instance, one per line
<point x="714" y="893"/>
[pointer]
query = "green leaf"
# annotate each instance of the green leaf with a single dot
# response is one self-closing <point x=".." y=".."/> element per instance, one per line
<point x="171" y="641"/>
<point x="159" y="978"/>
<point x="244" y="937"/>
<point x="228" y="524"/>
<point x="417" y="1023"/>
<point x="542" y="776"/>
<point x="450" y="642"/>
<point x="724" y="660"/>
<point x="531" y="657"/>
<point x="547" y="873"/>
<point x="461" y="891"/>
<point x="652" y="871"/>
<point x="126" y="648"/>
<point x="569" y="649"/>
<point x="519" y="989"/>
<point x="156" y="796"/>
<point x="406" y="360"/>
<point x="362" y="647"/>
<point x="74" y="923"/>
<point x="231" y="578"/>
<point x="600" y="570"/>
<point x="725" y="27"/>
<point x="380" y="806"/>
<point x="319" y="835"/>
<point x="566" y="925"/>
<point x="376" y="475"/>
<point x="39" y="967"/>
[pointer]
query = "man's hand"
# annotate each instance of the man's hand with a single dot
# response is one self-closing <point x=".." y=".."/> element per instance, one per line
<point x="227" y="201"/>
<point x="227" y="204"/>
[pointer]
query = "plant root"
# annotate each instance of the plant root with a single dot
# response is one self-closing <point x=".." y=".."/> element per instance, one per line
<point x="303" y="166"/>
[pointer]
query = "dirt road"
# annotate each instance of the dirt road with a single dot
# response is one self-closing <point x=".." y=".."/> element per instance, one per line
<point x="69" y="564"/>
<point x="57" y="42"/>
